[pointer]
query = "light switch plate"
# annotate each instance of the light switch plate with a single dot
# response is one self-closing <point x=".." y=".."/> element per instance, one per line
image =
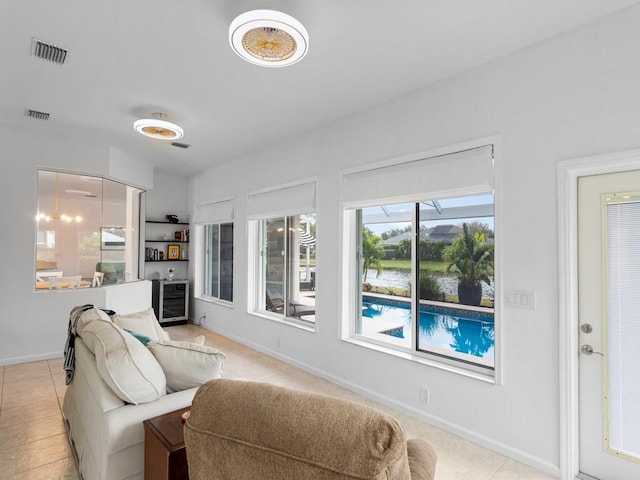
<point x="520" y="299"/>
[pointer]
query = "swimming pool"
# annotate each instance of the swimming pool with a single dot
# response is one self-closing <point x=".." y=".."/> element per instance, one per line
<point x="440" y="328"/>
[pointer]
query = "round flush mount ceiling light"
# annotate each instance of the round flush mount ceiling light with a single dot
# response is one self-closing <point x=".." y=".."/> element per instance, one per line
<point x="268" y="38"/>
<point x="158" y="128"/>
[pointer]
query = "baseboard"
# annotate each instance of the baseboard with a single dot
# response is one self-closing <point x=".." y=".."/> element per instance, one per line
<point x="30" y="358"/>
<point x="482" y="440"/>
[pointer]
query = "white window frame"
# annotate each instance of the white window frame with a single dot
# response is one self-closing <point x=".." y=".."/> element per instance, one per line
<point x="281" y="202"/>
<point x="219" y="213"/>
<point x="351" y="296"/>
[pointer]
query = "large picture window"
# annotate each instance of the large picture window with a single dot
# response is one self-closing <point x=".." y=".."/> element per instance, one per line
<point x="420" y="253"/>
<point x="427" y="277"/>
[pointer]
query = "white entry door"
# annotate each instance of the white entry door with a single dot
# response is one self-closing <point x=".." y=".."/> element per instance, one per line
<point x="609" y="323"/>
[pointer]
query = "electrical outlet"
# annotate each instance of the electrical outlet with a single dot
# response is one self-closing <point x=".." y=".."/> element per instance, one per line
<point x="424" y="395"/>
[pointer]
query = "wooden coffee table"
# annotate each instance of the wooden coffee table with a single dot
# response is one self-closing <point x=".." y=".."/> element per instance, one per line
<point x="164" y="454"/>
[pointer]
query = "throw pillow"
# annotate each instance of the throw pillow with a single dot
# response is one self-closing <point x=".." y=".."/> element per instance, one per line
<point x="144" y="322"/>
<point x="125" y="365"/>
<point x="186" y="364"/>
<point x="141" y="338"/>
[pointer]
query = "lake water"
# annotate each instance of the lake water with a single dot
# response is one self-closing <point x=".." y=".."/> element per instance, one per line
<point x="401" y="278"/>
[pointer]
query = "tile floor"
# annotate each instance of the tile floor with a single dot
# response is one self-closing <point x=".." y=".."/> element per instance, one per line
<point x="33" y="443"/>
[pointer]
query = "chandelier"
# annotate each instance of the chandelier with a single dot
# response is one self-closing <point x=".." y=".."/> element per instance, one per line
<point x="57" y="216"/>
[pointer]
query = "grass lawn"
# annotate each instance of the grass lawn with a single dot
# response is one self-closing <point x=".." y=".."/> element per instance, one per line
<point x="440" y="267"/>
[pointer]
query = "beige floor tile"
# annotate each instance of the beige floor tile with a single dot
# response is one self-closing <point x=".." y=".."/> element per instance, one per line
<point x="23" y="371"/>
<point x="29" y="430"/>
<point x="56" y="366"/>
<point x="28" y="383"/>
<point x="18" y="394"/>
<point x="60" y="470"/>
<point x="42" y="409"/>
<point x="14" y="460"/>
<point x="59" y="383"/>
<point x="513" y="470"/>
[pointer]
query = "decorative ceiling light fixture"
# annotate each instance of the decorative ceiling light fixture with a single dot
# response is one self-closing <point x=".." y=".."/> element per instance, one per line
<point x="158" y="127"/>
<point x="268" y="38"/>
<point x="57" y="216"/>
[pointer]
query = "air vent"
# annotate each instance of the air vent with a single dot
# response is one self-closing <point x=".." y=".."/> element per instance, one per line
<point x="36" y="114"/>
<point x="48" y="52"/>
<point x="180" y="145"/>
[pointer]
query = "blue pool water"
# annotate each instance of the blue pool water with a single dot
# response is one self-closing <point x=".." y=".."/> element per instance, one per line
<point x="446" y="328"/>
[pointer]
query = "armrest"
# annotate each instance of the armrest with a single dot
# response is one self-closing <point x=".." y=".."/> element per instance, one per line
<point x="123" y="427"/>
<point x="422" y="459"/>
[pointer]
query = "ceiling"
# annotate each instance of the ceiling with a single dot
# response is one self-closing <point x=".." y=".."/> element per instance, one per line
<point x="130" y="58"/>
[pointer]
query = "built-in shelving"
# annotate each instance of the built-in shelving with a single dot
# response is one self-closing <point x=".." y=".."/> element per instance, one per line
<point x="161" y="245"/>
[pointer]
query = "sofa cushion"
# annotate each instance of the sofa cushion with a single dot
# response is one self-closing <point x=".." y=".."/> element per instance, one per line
<point x="187" y="364"/>
<point x="89" y="316"/>
<point x="126" y="365"/>
<point x="144" y="323"/>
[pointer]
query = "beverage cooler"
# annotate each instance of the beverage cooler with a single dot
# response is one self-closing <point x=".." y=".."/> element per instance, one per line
<point x="171" y="301"/>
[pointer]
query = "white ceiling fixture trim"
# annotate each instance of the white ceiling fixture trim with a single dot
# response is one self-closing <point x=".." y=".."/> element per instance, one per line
<point x="268" y="38"/>
<point x="157" y="128"/>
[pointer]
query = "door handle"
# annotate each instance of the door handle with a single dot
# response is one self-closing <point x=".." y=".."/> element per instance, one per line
<point x="588" y="350"/>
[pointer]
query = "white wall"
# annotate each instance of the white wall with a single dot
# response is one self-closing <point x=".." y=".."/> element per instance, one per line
<point x="572" y="96"/>
<point x="33" y="325"/>
<point x="168" y="196"/>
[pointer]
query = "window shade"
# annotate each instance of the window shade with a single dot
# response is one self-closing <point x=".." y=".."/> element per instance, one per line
<point x="217" y="212"/>
<point x="462" y="173"/>
<point x="623" y="324"/>
<point x="282" y="202"/>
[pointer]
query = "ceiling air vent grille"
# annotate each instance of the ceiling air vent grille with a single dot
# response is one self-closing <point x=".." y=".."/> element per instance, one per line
<point x="48" y="52"/>
<point x="36" y="114"/>
<point x="180" y="145"/>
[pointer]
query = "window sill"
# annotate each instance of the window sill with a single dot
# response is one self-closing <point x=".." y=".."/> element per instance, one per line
<point x="216" y="301"/>
<point x="285" y="321"/>
<point x="424" y="360"/>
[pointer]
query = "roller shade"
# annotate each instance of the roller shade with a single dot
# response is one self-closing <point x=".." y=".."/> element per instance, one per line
<point x="461" y="173"/>
<point x="282" y="202"/>
<point x="217" y="212"/>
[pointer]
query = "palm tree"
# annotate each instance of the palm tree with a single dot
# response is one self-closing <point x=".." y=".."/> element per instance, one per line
<point x="471" y="261"/>
<point x="372" y="253"/>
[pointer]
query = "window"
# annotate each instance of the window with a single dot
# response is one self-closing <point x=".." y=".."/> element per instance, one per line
<point x="420" y="268"/>
<point x="287" y="266"/>
<point x="85" y="225"/>
<point x="214" y="247"/>
<point x="218" y="261"/>
<point x="282" y="278"/>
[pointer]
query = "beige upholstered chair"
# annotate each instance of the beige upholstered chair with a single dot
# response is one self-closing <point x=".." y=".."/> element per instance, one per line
<point x="249" y="430"/>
